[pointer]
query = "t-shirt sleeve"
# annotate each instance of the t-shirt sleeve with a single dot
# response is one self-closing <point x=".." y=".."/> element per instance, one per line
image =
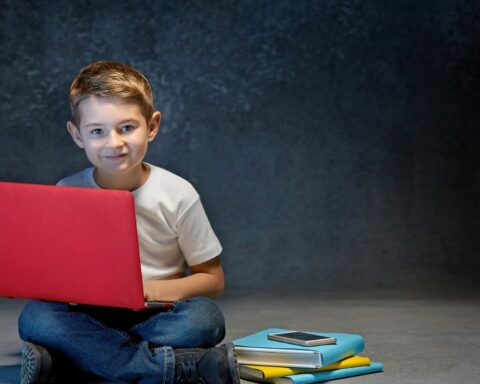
<point x="196" y="238"/>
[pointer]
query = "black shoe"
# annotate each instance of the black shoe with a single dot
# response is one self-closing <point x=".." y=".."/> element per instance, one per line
<point x="36" y="364"/>
<point x="44" y="367"/>
<point x="206" y="366"/>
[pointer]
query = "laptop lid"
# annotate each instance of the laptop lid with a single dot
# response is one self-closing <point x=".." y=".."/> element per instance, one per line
<point x="69" y="244"/>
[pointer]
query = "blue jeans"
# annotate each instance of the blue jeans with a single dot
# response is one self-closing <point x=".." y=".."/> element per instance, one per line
<point x="120" y="344"/>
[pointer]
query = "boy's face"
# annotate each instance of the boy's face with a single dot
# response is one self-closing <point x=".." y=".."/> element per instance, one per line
<point x="114" y="134"/>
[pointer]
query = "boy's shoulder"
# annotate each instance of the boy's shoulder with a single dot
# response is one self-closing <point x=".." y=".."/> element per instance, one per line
<point x="161" y="185"/>
<point x="167" y="184"/>
<point x="83" y="178"/>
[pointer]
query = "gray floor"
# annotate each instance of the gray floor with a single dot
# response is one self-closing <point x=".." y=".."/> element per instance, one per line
<point x="419" y="338"/>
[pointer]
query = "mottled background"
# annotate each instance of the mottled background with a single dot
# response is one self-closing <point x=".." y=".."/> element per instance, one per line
<point x="334" y="143"/>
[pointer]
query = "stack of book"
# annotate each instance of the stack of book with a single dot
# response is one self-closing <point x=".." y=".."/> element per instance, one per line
<point x="267" y="361"/>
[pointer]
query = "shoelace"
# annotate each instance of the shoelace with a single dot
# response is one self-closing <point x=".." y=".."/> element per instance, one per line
<point x="186" y="372"/>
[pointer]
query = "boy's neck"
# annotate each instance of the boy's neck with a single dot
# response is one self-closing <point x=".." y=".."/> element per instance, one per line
<point x="128" y="181"/>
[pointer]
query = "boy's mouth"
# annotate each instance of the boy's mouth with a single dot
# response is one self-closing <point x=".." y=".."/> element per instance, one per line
<point x="115" y="157"/>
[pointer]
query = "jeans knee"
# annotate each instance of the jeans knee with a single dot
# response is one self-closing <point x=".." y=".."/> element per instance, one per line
<point x="38" y="318"/>
<point x="207" y="321"/>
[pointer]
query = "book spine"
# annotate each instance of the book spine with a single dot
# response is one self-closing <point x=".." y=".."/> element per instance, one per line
<point x="353" y="348"/>
<point x="318" y="377"/>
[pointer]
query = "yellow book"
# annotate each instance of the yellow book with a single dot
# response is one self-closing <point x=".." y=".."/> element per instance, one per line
<point x="263" y="372"/>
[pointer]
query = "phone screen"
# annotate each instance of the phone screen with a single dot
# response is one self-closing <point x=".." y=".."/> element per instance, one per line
<point x="302" y="336"/>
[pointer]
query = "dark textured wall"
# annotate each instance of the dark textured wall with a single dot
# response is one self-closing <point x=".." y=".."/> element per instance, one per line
<point x="334" y="143"/>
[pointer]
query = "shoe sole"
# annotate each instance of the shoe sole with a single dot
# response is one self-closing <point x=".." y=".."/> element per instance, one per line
<point x="36" y="364"/>
<point x="232" y="362"/>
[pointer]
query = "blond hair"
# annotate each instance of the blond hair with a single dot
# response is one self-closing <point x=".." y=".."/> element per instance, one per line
<point x="114" y="80"/>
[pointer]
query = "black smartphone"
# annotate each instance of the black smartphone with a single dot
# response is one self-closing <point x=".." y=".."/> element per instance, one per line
<point x="302" y="338"/>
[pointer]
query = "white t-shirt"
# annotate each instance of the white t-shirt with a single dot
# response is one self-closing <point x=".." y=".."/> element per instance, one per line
<point x="173" y="228"/>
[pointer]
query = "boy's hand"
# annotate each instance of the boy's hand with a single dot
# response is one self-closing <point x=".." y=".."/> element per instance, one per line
<point x="160" y="290"/>
<point x="206" y="279"/>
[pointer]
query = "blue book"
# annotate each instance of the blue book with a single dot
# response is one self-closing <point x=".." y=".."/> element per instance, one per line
<point x="256" y="349"/>
<point x="318" y="377"/>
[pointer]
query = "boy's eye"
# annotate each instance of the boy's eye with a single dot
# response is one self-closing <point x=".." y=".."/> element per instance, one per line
<point x="127" y="128"/>
<point x="96" y="131"/>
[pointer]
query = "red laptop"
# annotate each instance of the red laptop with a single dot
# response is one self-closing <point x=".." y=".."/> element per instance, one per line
<point x="68" y="244"/>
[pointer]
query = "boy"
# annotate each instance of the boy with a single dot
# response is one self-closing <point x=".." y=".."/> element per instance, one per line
<point x="113" y="120"/>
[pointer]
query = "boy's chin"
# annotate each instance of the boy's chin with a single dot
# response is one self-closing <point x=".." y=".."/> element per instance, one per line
<point x="118" y="169"/>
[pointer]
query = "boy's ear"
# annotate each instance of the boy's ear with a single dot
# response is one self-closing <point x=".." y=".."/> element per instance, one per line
<point x="75" y="133"/>
<point x="154" y="126"/>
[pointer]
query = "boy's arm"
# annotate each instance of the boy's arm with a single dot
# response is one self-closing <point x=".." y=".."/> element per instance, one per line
<point x="206" y="279"/>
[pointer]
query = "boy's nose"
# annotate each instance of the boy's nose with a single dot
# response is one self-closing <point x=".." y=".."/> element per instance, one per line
<point x="114" y="140"/>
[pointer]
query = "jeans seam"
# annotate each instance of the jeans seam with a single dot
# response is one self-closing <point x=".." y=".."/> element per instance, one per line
<point x="164" y="350"/>
<point x="164" y="365"/>
<point x="117" y="331"/>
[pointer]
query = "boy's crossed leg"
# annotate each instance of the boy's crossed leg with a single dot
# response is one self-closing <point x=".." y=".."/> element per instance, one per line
<point x="131" y="346"/>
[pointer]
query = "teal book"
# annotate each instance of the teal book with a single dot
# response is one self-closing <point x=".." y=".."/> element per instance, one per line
<point x="256" y="349"/>
<point x="319" y="377"/>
